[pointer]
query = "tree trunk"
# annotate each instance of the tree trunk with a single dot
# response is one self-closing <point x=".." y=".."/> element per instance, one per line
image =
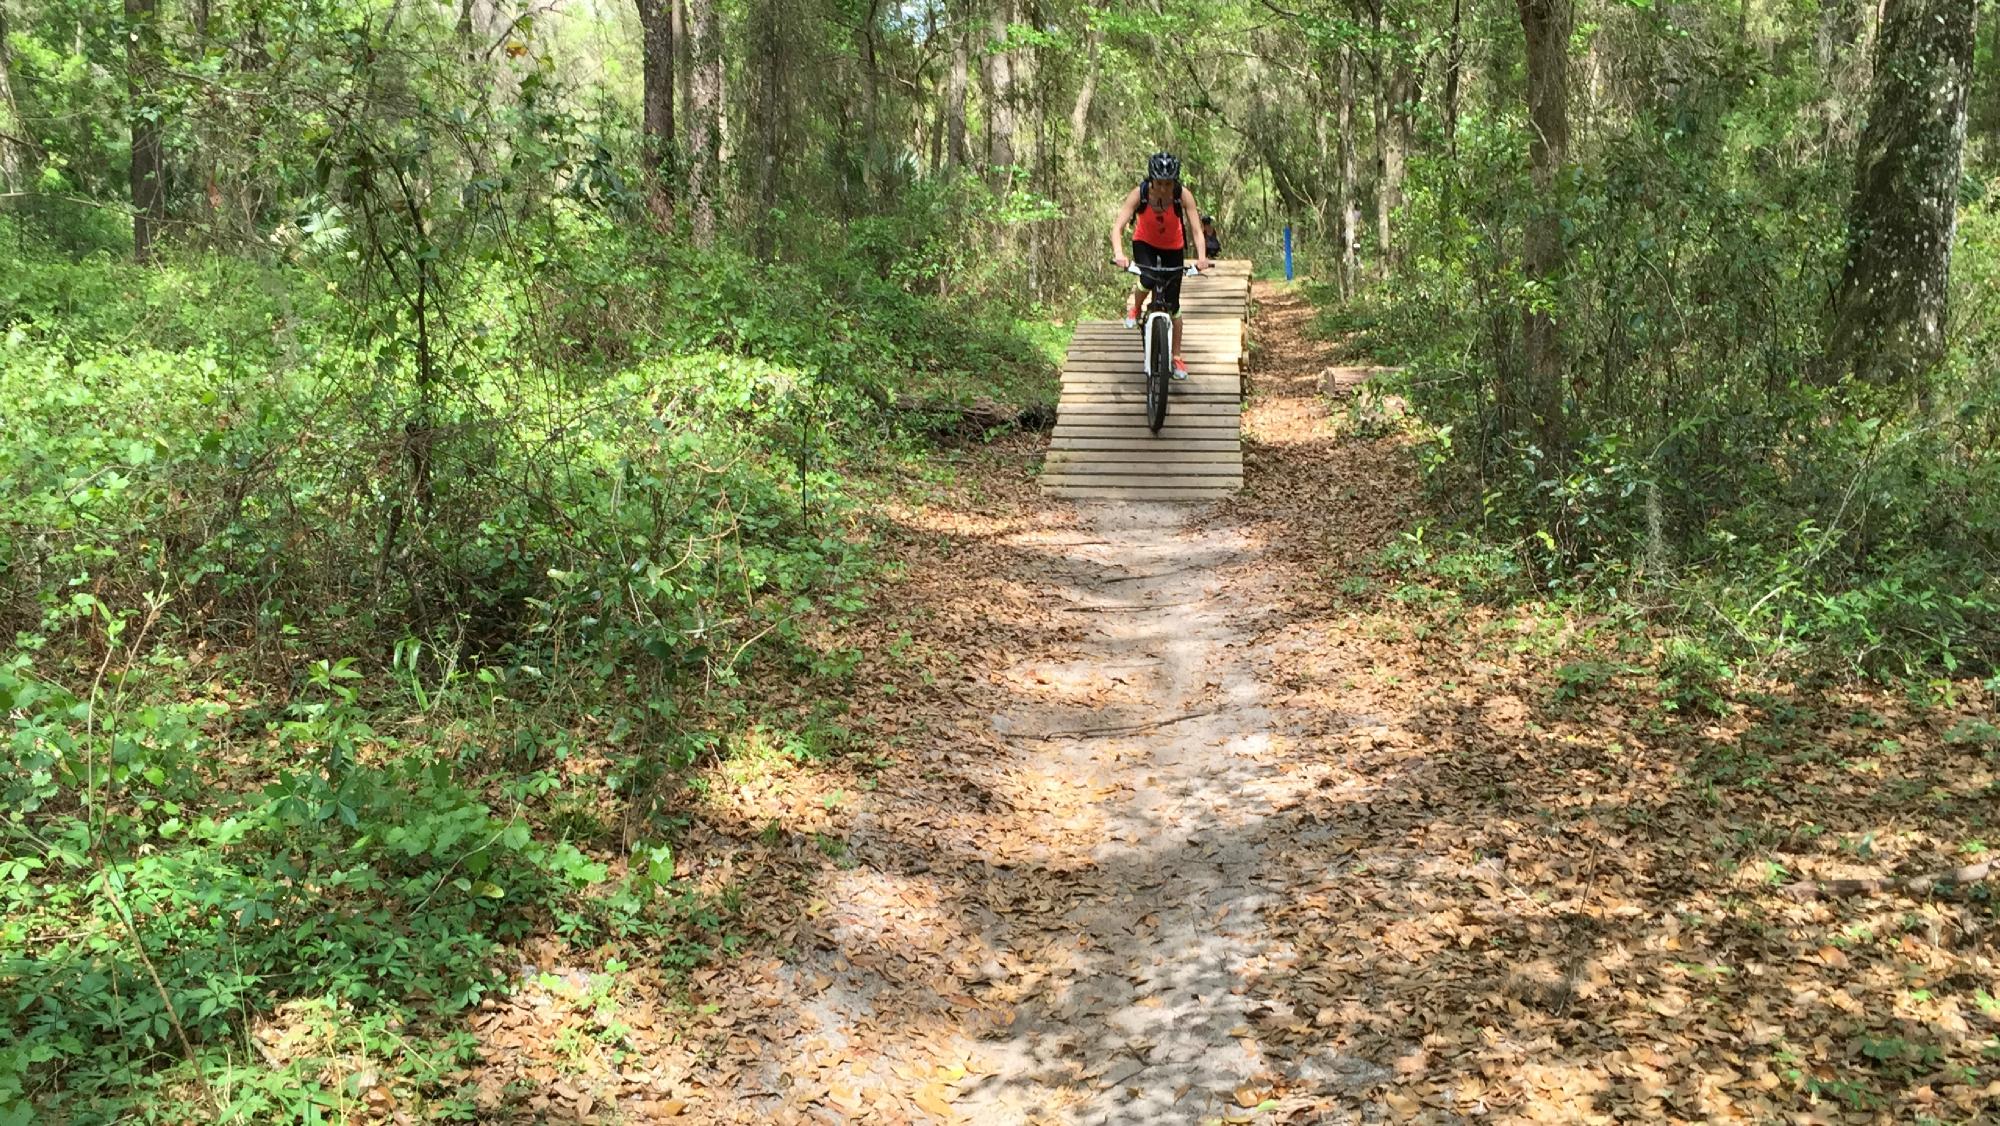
<point x="13" y="133"/>
<point x="1889" y="310"/>
<point x="1000" y="85"/>
<point x="149" y="197"/>
<point x="872" y="161"/>
<point x="954" y="128"/>
<point x="683" y="71"/>
<point x="935" y="139"/>
<point x="1350" y="201"/>
<point x="656" y="23"/>
<point x="704" y="119"/>
<point x="1395" y="145"/>
<point x="1079" y="114"/>
<point x="1454" y="61"/>
<point x="769" y="124"/>
<point x="1545" y="27"/>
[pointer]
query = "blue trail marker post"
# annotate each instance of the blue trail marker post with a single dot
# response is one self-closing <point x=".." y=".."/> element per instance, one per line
<point x="1288" y="252"/>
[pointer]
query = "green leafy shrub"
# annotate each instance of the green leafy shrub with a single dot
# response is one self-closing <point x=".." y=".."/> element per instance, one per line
<point x="1701" y="461"/>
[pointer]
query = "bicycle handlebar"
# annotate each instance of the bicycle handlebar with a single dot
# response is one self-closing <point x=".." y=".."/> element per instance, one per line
<point x="1136" y="268"/>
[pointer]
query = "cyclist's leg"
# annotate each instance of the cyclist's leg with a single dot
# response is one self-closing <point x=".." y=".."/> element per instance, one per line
<point x="1146" y="256"/>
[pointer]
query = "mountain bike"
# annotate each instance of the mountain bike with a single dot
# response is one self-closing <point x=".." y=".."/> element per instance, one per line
<point x="1156" y="355"/>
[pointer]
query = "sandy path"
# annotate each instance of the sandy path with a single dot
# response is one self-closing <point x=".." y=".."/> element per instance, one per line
<point x="1149" y="1024"/>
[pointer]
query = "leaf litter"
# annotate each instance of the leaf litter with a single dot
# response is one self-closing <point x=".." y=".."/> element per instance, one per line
<point x="1375" y="865"/>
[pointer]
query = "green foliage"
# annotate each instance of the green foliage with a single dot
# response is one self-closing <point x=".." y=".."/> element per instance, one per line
<point x="1692" y="677"/>
<point x="1702" y="463"/>
<point x="138" y="851"/>
<point x="631" y="476"/>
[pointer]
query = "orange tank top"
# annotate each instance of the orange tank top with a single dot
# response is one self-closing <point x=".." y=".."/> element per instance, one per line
<point x="1161" y="229"/>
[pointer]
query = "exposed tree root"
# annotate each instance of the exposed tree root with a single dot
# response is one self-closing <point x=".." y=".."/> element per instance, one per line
<point x="1913" y="885"/>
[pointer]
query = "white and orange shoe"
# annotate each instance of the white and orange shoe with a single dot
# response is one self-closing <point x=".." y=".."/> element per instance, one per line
<point x="1132" y="311"/>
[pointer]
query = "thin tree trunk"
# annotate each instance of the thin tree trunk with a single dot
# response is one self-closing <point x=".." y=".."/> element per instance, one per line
<point x="1395" y="147"/>
<point x="1378" y="69"/>
<point x="149" y="197"/>
<point x="1350" y="201"/>
<point x="705" y="119"/>
<point x="1079" y="113"/>
<point x="871" y="98"/>
<point x="936" y="138"/>
<point x="1889" y="311"/>
<point x="1454" y="61"/>
<point x="1545" y="27"/>
<point x="656" y="22"/>
<point x="770" y="121"/>
<point x="955" y="151"/>
<point x="683" y="71"/>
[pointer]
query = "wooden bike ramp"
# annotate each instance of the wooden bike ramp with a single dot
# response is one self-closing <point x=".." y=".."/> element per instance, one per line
<point x="1102" y="448"/>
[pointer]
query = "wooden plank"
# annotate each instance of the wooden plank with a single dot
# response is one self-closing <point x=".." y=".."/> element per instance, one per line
<point x="1123" y="399"/>
<point x="1198" y="473"/>
<point x="1135" y="417"/>
<point x="1143" y="440"/>
<point x="1139" y="486"/>
<point x="1130" y="365"/>
<point x="1194" y="385"/>
<point x="1190" y="322"/>
<point x="1132" y="361"/>
<point x="1224" y="425"/>
<point x="1129" y="375"/>
<point x="1211" y="403"/>
<point x="1133" y="353"/>
<point x="1101" y="395"/>
<point x="1217" y="327"/>
<point x="1175" y="421"/>
<point x="1201" y="472"/>
<point x="1085" y="404"/>
<point x="1221" y="328"/>
<point x="1190" y="327"/>
<point x="1127" y="390"/>
<point x="1167" y="438"/>
<point x="1157" y="495"/>
<point x="1143" y="481"/>
<point x="1141" y="457"/>
<point x="1132" y="345"/>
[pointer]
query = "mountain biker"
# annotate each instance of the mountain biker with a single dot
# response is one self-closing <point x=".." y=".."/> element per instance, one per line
<point x="1161" y="204"/>
<point x="1210" y="241"/>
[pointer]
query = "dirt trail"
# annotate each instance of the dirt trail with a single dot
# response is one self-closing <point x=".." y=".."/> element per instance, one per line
<point x="1188" y="815"/>
<point x="1149" y="1024"/>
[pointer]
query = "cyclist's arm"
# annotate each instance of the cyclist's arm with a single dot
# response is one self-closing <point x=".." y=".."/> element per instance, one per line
<point x="1119" y="222"/>
<point x="1199" y="240"/>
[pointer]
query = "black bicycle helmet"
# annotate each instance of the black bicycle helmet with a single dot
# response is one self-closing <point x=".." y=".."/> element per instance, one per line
<point x="1164" y="166"/>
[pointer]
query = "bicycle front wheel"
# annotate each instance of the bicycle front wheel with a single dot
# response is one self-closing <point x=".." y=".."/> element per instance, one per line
<point x="1159" y="366"/>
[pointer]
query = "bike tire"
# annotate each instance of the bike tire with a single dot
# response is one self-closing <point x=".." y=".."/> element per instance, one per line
<point x="1159" y="365"/>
